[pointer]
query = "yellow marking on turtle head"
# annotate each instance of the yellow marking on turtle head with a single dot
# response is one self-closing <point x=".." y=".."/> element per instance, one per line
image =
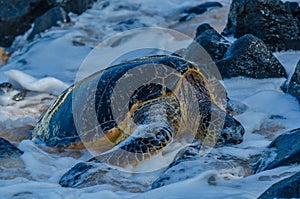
<point x="113" y="134"/>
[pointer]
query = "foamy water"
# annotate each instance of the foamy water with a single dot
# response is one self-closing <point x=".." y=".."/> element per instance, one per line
<point x="51" y="62"/>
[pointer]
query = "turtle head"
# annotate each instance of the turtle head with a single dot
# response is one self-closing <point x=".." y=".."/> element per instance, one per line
<point x="218" y="127"/>
<point x="232" y="132"/>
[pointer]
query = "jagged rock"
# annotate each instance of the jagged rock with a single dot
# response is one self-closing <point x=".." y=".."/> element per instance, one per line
<point x="283" y="151"/>
<point x="17" y="16"/>
<point x="93" y="173"/>
<point x="7" y="149"/>
<point x="235" y="107"/>
<point x="214" y="43"/>
<point x="287" y="188"/>
<point x="199" y="9"/>
<point x="294" y="8"/>
<point x="11" y="164"/>
<point x="5" y="87"/>
<point x="188" y="164"/>
<point x="191" y="12"/>
<point x="202" y="28"/>
<point x="87" y="174"/>
<point x="293" y="87"/>
<point x="47" y="20"/>
<point x="269" y="20"/>
<point x="249" y="56"/>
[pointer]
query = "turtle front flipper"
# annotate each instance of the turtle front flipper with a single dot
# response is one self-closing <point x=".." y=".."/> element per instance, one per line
<point x="136" y="149"/>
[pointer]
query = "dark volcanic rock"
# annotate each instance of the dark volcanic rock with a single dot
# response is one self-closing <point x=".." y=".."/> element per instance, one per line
<point x="49" y="19"/>
<point x="188" y="164"/>
<point x="73" y="177"/>
<point x="7" y="149"/>
<point x="174" y="173"/>
<point x="6" y="88"/>
<point x="11" y="163"/>
<point x="283" y="151"/>
<point x="86" y="174"/>
<point x="191" y="12"/>
<point x="269" y="20"/>
<point x="249" y="56"/>
<point x="294" y="85"/>
<point x="214" y="43"/>
<point x="287" y="188"/>
<point x="17" y="16"/>
<point x="199" y="9"/>
<point x="235" y="107"/>
<point x="294" y="8"/>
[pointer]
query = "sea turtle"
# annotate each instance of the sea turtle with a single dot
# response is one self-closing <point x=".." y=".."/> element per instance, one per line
<point x="133" y="110"/>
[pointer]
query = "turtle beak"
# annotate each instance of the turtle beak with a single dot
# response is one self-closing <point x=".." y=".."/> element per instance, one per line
<point x="232" y="132"/>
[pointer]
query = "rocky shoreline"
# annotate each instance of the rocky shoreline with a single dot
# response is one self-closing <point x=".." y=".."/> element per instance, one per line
<point x="18" y="16"/>
<point x="260" y="27"/>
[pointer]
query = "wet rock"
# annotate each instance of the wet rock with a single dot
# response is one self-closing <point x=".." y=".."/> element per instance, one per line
<point x="199" y="9"/>
<point x="5" y="87"/>
<point x="294" y="8"/>
<point x="188" y="164"/>
<point x="249" y="56"/>
<point x="7" y="149"/>
<point x="10" y="95"/>
<point x="19" y="96"/>
<point x="11" y="164"/>
<point x="235" y="107"/>
<point x="202" y="28"/>
<point x="283" y="151"/>
<point x="287" y="188"/>
<point x="269" y="20"/>
<point x="293" y="87"/>
<point x="86" y="174"/>
<point x="231" y="134"/>
<point x="17" y="16"/>
<point x="72" y="177"/>
<point x="47" y="20"/>
<point x="214" y="43"/>
<point x="191" y="12"/>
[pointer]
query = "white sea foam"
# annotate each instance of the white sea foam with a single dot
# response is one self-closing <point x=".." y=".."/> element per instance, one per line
<point x="22" y="80"/>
